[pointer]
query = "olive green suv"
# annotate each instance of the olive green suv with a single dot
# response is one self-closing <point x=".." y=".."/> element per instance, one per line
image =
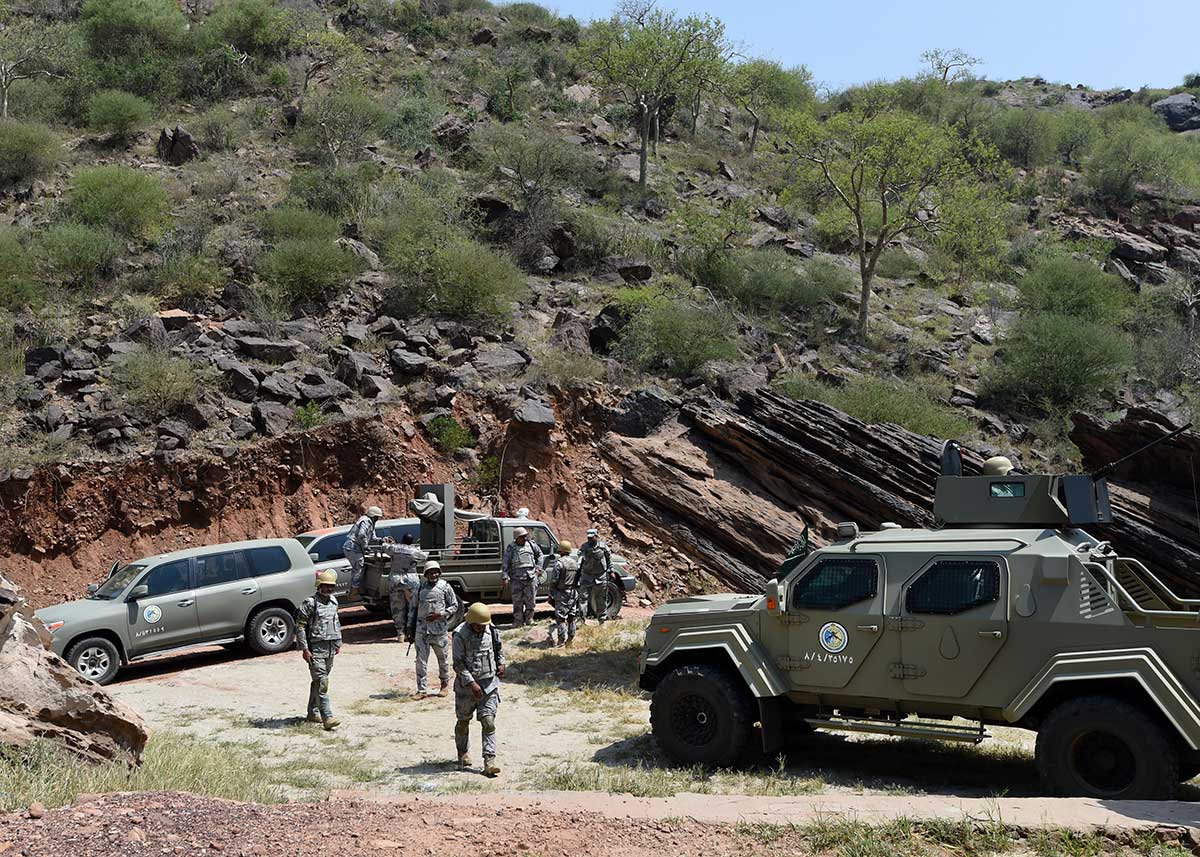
<point x="223" y="594"/>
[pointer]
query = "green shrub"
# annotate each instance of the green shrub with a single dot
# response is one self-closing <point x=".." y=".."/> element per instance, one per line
<point x="528" y="14"/>
<point x="27" y="151"/>
<point x="260" y="28"/>
<point x="875" y="400"/>
<point x="337" y="125"/>
<point x="333" y="190"/>
<point x="125" y="200"/>
<point x="1192" y="81"/>
<point x="216" y="129"/>
<point x="133" y="45"/>
<point x="1077" y="288"/>
<point x="676" y="337"/>
<point x="157" y="381"/>
<point x="448" y="435"/>
<point x="190" y="278"/>
<point x="217" y="73"/>
<point x="467" y="280"/>
<point x="278" y="77"/>
<point x="411" y="119"/>
<point x="533" y="163"/>
<point x="1130" y="154"/>
<point x="897" y="264"/>
<point x="772" y="279"/>
<point x="117" y="113"/>
<point x="39" y="100"/>
<point x="1023" y="135"/>
<point x="306" y="270"/>
<point x="1162" y="349"/>
<point x="77" y="253"/>
<point x="308" y="416"/>
<point x="289" y="221"/>
<point x="18" y="285"/>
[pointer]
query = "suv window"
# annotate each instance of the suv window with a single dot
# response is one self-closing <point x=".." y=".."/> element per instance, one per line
<point x="220" y="568"/>
<point x="953" y="586"/>
<point x="541" y="537"/>
<point x="836" y="583"/>
<point x="399" y="531"/>
<point x="268" y="560"/>
<point x="168" y="578"/>
<point x="328" y="548"/>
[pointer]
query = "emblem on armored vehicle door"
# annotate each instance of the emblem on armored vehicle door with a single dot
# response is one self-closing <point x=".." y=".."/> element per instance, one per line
<point x="833" y="637"/>
<point x="152" y="613"/>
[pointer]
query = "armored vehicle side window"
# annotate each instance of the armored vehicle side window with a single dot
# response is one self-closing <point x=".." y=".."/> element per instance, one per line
<point x="172" y="577"/>
<point x="221" y="568"/>
<point x="953" y="586"/>
<point x="1007" y="489"/>
<point x="268" y="560"/>
<point x="836" y="583"/>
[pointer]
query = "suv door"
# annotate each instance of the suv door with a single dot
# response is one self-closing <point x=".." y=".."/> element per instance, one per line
<point x="543" y="539"/>
<point x="953" y="621"/>
<point x="225" y="594"/>
<point x="166" y="616"/>
<point x="835" y="619"/>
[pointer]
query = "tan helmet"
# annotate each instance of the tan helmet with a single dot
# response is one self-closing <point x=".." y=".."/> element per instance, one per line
<point x="565" y="547"/>
<point x="997" y="465"/>
<point x="520" y="531"/>
<point x="479" y="614"/>
<point x="328" y="577"/>
<point x="374" y="512"/>
<point x="433" y="565"/>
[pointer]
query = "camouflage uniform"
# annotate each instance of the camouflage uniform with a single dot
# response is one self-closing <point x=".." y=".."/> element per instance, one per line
<point x="564" y="592"/>
<point x="402" y="580"/>
<point x="520" y="569"/>
<point x="355" y="547"/>
<point x="477" y="658"/>
<point x="319" y="631"/>
<point x="595" y="561"/>
<point x="433" y="634"/>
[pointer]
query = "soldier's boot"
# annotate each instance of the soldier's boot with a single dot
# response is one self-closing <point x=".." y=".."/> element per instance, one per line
<point x="445" y="689"/>
<point x="570" y="643"/>
<point x="464" y="761"/>
<point x="490" y="768"/>
<point x="330" y="724"/>
<point x="314" y="717"/>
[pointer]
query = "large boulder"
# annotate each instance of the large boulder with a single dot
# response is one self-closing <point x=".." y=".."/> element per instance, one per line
<point x="451" y="132"/>
<point x="176" y="146"/>
<point x="41" y="697"/>
<point x="1180" y="111"/>
<point x="270" y="350"/>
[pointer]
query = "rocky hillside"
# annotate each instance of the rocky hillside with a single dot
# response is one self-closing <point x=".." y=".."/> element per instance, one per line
<point x="300" y="257"/>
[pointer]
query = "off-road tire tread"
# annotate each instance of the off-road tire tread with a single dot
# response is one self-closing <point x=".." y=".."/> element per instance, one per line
<point x="87" y="641"/>
<point x="252" y="631"/>
<point x="732" y="699"/>
<point x="1158" y="756"/>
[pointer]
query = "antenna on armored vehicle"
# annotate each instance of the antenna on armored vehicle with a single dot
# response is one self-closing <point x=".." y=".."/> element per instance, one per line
<point x="1113" y="465"/>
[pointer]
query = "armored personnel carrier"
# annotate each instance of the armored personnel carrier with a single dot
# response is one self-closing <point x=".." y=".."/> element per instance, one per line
<point x="1006" y="613"/>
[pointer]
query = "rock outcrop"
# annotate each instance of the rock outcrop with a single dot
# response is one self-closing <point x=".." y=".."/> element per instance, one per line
<point x="42" y="697"/>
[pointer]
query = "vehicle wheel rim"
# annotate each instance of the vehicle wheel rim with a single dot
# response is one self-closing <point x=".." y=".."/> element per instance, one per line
<point x="610" y="599"/>
<point x="273" y="631"/>
<point x="1103" y="762"/>
<point x="694" y="720"/>
<point x="93" y="663"/>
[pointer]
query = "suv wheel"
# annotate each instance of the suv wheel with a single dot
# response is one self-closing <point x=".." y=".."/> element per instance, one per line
<point x="95" y="658"/>
<point x="1103" y="747"/>
<point x="270" y="631"/>
<point x="701" y="715"/>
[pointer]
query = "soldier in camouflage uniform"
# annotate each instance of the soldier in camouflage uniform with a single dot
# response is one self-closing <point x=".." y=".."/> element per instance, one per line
<point x="402" y="579"/>
<point x="357" y="541"/>
<point x="520" y="569"/>
<point x="478" y="667"/>
<point x="595" y="562"/>
<point x="432" y="605"/>
<point x="319" y="638"/>
<point x="564" y="594"/>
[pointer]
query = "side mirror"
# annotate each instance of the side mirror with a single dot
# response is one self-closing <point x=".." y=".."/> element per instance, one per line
<point x="92" y="587"/>
<point x="139" y="592"/>
<point x="774" y="598"/>
<point x="314" y="557"/>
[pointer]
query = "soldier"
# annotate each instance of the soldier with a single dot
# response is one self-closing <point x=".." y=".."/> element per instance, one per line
<point x="402" y="579"/>
<point x="595" y="562"/>
<point x="564" y="594"/>
<point x="429" y="613"/>
<point x="319" y="638"/>
<point x="520" y="569"/>
<point x="478" y="667"/>
<point x="357" y="540"/>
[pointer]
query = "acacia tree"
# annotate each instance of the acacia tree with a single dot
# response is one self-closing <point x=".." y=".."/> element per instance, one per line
<point x="29" y="48"/>
<point x="761" y="85"/>
<point x="709" y="74"/>
<point x="644" y="56"/>
<point x="324" y="50"/>
<point x="893" y="174"/>
<point x="950" y="65"/>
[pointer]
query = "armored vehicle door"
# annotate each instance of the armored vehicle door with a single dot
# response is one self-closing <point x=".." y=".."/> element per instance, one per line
<point x="165" y="616"/>
<point x="834" y="617"/>
<point x="953" y="619"/>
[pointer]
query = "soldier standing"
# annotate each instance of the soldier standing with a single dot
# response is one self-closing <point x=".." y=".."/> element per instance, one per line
<point x="357" y="541"/>
<point x="430" y="612"/>
<point x="595" y="562"/>
<point x="478" y="667"/>
<point x="402" y="579"/>
<point x="564" y="594"/>
<point x="522" y="562"/>
<point x="319" y="638"/>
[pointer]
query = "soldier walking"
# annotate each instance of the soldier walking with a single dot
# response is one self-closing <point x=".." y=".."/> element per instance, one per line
<point x="595" y="562"/>
<point x="319" y="638"/>
<point x="478" y="668"/>
<point x="429" y="615"/>
<point x="564" y="594"/>
<point x="520" y="569"/>
<point x="402" y="580"/>
<point x="357" y="541"/>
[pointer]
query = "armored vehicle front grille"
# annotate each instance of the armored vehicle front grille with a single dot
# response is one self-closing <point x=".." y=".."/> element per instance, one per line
<point x="1094" y="600"/>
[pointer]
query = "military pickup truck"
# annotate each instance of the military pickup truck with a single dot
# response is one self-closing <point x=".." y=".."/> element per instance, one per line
<point x="1008" y="613"/>
<point x="218" y="595"/>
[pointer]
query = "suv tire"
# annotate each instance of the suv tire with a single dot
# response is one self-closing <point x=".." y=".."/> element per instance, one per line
<point x="271" y="631"/>
<point x="701" y="715"/>
<point x="1104" y="747"/>
<point x="95" y="658"/>
<point x="614" y="599"/>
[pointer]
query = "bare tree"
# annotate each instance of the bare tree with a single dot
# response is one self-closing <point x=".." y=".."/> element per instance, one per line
<point x="29" y="48"/>
<point x="950" y="65"/>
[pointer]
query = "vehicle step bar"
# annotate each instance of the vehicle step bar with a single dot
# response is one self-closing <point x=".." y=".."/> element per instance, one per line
<point x="904" y="728"/>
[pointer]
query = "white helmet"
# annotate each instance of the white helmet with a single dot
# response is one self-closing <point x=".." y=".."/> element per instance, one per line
<point x="374" y="512"/>
<point x="433" y="565"/>
<point x="520" y="531"/>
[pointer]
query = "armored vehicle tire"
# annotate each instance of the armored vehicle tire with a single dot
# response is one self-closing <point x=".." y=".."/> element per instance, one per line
<point x="1104" y="747"/>
<point x="702" y="715"/>
<point x="614" y="598"/>
<point x="270" y="631"/>
<point x="95" y="658"/>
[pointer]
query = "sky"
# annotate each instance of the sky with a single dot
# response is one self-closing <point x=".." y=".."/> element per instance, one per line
<point x="1100" y="43"/>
